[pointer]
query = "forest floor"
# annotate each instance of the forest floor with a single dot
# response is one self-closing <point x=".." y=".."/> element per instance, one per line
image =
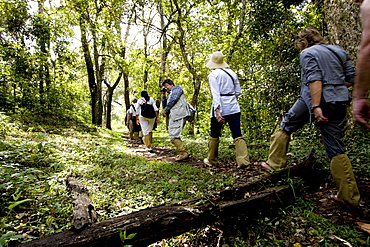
<point x="323" y="199"/>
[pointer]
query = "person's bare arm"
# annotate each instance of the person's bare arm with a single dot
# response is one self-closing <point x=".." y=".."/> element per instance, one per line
<point x="316" y="93"/>
<point x="361" y="105"/>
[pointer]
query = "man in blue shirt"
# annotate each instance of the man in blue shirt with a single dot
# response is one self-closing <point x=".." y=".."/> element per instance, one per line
<point x="176" y="109"/>
<point x="326" y="73"/>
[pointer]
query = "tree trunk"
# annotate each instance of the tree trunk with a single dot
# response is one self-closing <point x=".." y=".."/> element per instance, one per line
<point x="344" y="25"/>
<point x="153" y="224"/>
<point x="110" y="91"/>
<point x="99" y="74"/>
<point x="124" y="70"/>
<point x="43" y="41"/>
<point x="84" y="213"/>
<point x="196" y="79"/>
<point x="240" y="31"/>
<point x="90" y="72"/>
<point x="164" y="47"/>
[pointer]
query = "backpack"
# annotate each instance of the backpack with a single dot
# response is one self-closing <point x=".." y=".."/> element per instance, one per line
<point x="192" y="111"/>
<point x="132" y="105"/>
<point x="147" y="110"/>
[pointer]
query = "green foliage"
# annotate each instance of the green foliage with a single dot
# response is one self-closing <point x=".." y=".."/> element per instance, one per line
<point x="5" y="238"/>
<point x="34" y="164"/>
<point x="124" y="237"/>
<point x="296" y="224"/>
<point x="44" y="83"/>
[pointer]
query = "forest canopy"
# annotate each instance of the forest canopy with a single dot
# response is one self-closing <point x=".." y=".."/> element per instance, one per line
<point x="69" y="70"/>
<point x="86" y="60"/>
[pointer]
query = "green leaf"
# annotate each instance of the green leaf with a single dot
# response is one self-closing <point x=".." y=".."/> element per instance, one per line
<point x="11" y="206"/>
<point x="131" y="236"/>
<point x="8" y="236"/>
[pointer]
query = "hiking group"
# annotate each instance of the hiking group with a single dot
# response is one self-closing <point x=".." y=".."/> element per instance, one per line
<point x="326" y="74"/>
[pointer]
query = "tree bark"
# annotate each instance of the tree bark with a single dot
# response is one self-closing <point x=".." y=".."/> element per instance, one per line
<point x="110" y="90"/>
<point x="90" y="72"/>
<point x="84" y="213"/>
<point x="164" y="46"/>
<point x="344" y="25"/>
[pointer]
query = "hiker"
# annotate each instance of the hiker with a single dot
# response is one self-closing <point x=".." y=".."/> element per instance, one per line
<point x="225" y="88"/>
<point x="146" y="115"/>
<point x="175" y="107"/>
<point x="326" y="73"/>
<point x="131" y="120"/>
<point x="132" y="117"/>
<point x="361" y="104"/>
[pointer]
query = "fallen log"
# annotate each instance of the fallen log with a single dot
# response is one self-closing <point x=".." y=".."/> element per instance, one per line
<point x="154" y="224"/>
<point x="165" y="221"/>
<point x="84" y="213"/>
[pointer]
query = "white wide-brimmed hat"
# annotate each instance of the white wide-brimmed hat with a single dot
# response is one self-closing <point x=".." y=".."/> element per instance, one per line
<point x="216" y="61"/>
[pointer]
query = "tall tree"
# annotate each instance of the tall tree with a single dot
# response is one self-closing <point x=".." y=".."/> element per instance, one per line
<point x="89" y="14"/>
<point x="183" y="12"/>
<point x="165" y="22"/>
<point x="344" y="27"/>
<point x="41" y="30"/>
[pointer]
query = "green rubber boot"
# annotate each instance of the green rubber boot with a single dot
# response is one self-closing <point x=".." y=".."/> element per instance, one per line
<point x="212" y="157"/>
<point x="341" y="170"/>
<point x="242" y="156"/>
<point x="278" y="148"/>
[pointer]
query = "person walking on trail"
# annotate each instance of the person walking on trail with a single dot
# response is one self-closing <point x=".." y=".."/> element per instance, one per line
<point x="133" y="127"/>
<point x="361" y="104"/>
<point x="175" y="107"/>
<point x="326" y="73"/>
<point x="225" y="88"/>
<point x="146" y="115"/>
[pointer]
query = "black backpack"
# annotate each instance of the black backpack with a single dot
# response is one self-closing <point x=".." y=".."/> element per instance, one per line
<point x="131" y="112"/>
<point x="147" y="110"/>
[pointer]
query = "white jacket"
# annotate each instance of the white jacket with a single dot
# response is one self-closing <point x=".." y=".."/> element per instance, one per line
<point x="224" y="91"/>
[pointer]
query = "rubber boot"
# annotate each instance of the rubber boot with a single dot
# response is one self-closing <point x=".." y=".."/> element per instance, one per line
<point x="137" y="138"/>
<point x="341" y="170"/>
<point x="131" y="130"/>
<point x="212" y="157"/>
<point x="151" y="138"/>
<point x="278" y="148"/>
<point x="147" y="141"/>
<point x="180" y="149"/>
<point x="242" y="156"/>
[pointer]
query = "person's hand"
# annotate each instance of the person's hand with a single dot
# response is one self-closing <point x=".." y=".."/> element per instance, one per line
<point x="361" y="110"/>
<point x="319" y="116"/>
<point x="164" y="113"/>
<point x="137" y="122"/>
<point x="219" y="118"/>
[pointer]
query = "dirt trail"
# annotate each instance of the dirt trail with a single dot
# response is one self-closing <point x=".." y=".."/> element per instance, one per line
<point x="323" y="198"/>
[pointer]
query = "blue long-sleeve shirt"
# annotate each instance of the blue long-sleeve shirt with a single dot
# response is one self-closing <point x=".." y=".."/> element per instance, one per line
<point x="321" y="64"/>
<point x="175" y="95"/>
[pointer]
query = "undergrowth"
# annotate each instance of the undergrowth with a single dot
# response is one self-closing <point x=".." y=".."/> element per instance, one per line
<point x="36" y="159"/>
<point x="296" y="225"/>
